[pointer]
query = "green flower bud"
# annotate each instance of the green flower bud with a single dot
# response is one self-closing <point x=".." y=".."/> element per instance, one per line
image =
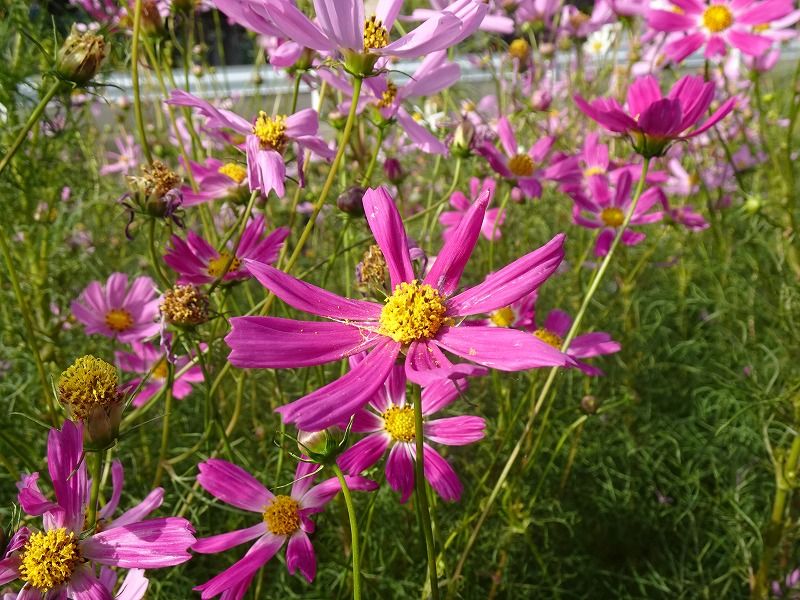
<point x="80" y="57"/>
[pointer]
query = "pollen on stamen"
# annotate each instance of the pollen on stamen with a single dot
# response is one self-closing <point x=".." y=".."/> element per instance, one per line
<point x="399" y="423"/>
<point x="217" y="265"/>
<point x="521" y="165"/>
<point x="49" y="559"/>
<point x="414" y="312"/>
<point x="282" y="515"/>
<point x="271" y="131"/>
<point x="612" y="216"/>
<point x="375" y="34"/>
<point x="549" y="337"/>
<point x="717" y="18"/>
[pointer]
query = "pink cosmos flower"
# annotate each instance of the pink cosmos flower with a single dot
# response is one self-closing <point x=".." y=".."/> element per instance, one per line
<point x="61" y="561"/>
<point x="492" y="221"/>
<point x="390" y="424"/>
<point x="653" y="122"/>
<point x="606" y="210"/>
<point x="494" y="21"/>
<point x="151" y="356"/>
<point x="342" y="26"/>
<point x="525" y="169"/>
<point x="421" y="318"/>
<point x="199" y="262"/>
<point x="116" y="311"/>
<point x="281" y="519"/>
<point x="127" y="158"/>
<point x="718" y="24"/>
<point x="266" y="139"/>
<point x="433" y="74"/>
<point x="215" y="180"/>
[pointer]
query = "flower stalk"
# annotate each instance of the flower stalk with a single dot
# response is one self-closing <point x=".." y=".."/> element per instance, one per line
<point x="421" y="495"/>
<point x="354" y="545"/>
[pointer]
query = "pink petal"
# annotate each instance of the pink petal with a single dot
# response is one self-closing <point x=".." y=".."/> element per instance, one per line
<point x="309" y="298"/>
<point x="322" y="493"/>
<point x="31" y="499"/>
<point x="434" y="34"/>
<point x="117" y="481"/>
<point x="441" y="476"/>
<point x="231" y="539"/>
<point x="145" y="545"/>
<point x="506" y="135"/>
<point x="363" y="454"/>
<point x="343" y="21"/>
<point x="456" y="431"/>
<point x="558" y="322"/>
<point x="667" y="20"/>
<point x="716" y="117"/>
<point x="64" y="454"/>
<point x="643" y="92"/>
<point x="134" y="586"/>
<point x="233" y="485"/>
<point x="682" y="47"/>
<point x="133" y="515"/>
<point x="297" y="26"/>
<point x="84" y="585"/>
<point x="300" y="554"/>
<point x="387" y="227"/>
<point x="593" y="344"/>
<point x="400" y="471"/>
<point x="243" y="570"/>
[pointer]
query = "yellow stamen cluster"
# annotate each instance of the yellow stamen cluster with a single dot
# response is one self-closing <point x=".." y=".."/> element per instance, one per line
<point x="717" y="18"/>
<point x="389" y="95"/>
<point x="271" y="131"/>
<point x="519" y="49"/>
<point x="593" y="171"/>
<point x="160" y="371"/>
<point x="503" y="317"/>
<point x="612" y="216"/>
<point x="373" y="270"/>
<point x="235" y="171"/>
<point x="119" y="319"/>
<point x="49" y="559"/>
<point x="412" y="313"/>
<point x="760" y="28"/>
<point x="185" y="305"/>
<point x="159" y="179"/>
<point x="375" y="34"/>
<point x="549" y="337"/>
<point x="399" y="423"/>
<point x="521" y="165"/>
<point x="87" y="384"/>
<point x="282" y="516"/>
<point x="216" y="265"/>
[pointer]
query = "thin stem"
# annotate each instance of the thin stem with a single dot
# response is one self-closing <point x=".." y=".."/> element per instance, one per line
<point x="295" y="91"/>
<point x="162" y="453"/>
<point x="351" y="515"/>
<point x="32" y="120"/>
<point x="421" y="495"/>
<point x="374" y="159"/>
<point x="154" y="258"/>
<point x="137" y="101"/>
<point x="96" y="464"/>
<point x="593" y="286"/>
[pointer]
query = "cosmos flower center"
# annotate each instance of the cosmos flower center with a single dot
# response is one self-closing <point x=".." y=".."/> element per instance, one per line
<point x="593" y="171"/>
<point x="399" y="423"/>
<point x="160" y="370"/>
<point x="216" y="266"/>
<point x="49" y="559"/>
<point x="271" y="131"/>
<point x="235" y="171"/>
<point x="185" y="305"/>
<point x="502" y="317"/>
<point x="612" y="216"/>
<point x="282" y="516"/>
<point x="375" y="34"/>
<point x="388" y="96"/>
<point x="519" y="49"/>
<point x="414" y="312"/>
<point x="88" y="383"/>
<point x="119" y="319"/>
<point x="717" y="18"/>
<point x="521" y="165"/>
<point x="548" y="337"/>
<point x="372" y="269"/>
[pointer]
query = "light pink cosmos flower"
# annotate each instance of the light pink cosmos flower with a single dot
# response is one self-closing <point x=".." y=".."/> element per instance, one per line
<point x="433" y="74"/>
<point x="653" y="121"/>
<point x="215" y="180"/>
<point x="495" y="20"/>
<point x="718" y="24"/>
<point x="420" y="319"/>
<point x="127" y="541"/>
<point x="266" y="139"/>
<point x="126" y="159"/>
<point x="390" y="424"/>
<point x="199" y="262"/>
<point x="492" y="221"/>
<point x="117" y="311"/>
<point x="342" y="26"/>
<point x="606" y="210"/>
<point x="526" y="169"/>
<point x="146" y="357"/>
<point x="281" y="519"/>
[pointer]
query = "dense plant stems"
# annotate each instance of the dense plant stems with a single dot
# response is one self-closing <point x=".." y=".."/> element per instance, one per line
<point x="137" y="101"/>
<point x="351" y="515"/>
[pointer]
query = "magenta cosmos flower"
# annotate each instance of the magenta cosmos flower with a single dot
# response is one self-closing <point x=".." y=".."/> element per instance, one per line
<point x="116" y="311"/>
<point x="215" y="180"/>
<point x="420" y="319"/>
<point x="606" y="210"/>
<point x="653" y="121"/>
<point x="146" y="357"/>
<point x="198" y="262"/>
<point x="266" y="139"/>
<point x="390" y="424"/>
<point x="526" y="169"/>
<point x="61" y="561"/>
<point x="492" y="220"/>
<point x="281" y="519"/>
<point x="718" y="24"/>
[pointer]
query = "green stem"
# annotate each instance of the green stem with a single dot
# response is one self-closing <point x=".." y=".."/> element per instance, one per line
<point x="32" y="120"/>
<point x="162" y="453"/>
<point x="95" y="467"/>
<point x="137" y="101"/>
<point x="421" y="495"/>
<point x="298" y="77"/>
<point x="785" y="476"/>
<point x="351" y="515"/>
<point x="154" y="258"/>
<point x="593" y="286"/>
<point x="374" y="159"/>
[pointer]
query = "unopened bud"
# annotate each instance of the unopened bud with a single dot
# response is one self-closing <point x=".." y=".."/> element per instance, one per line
<point x="462" y="139"/>
<point x="80" y="57"/>
<point x="322" y="447"/>
<point x="393" y="170"/>
<point x="589" y="405"/>
<point x="351" y="201"/>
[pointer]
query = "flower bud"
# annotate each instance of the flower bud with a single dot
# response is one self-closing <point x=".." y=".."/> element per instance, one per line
<point x="80" y="57"/>
<point x="589" y="405"/>
<point x="461" y="146"/>
<point x="541" y="100"/>
<point x="351" y="202"/>
<point x="393" y="170"/>
<point x="322" y="447"/>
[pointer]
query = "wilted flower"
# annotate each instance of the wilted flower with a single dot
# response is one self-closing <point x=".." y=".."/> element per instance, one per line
<point x="80" y="56"/>
<point x="184" y="305"/>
